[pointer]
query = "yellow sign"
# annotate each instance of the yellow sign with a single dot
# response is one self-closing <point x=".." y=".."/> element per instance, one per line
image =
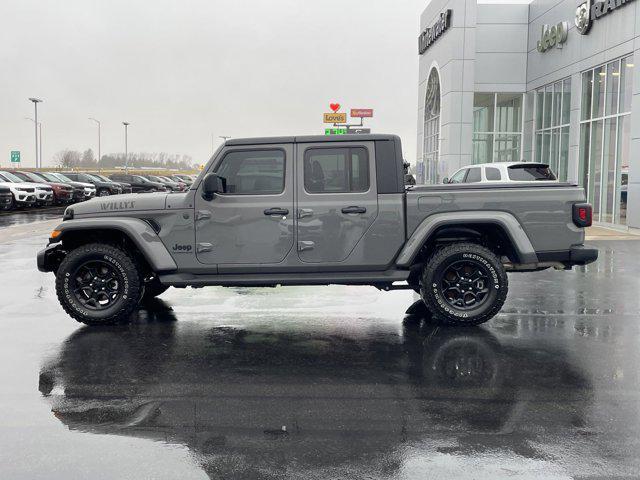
<point x="335" y="118"/>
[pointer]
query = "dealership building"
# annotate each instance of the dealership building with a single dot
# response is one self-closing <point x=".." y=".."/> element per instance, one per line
<point x="553" y="81"/>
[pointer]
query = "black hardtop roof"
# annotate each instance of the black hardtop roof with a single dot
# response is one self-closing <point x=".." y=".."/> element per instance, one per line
<point x="311" y="139"/>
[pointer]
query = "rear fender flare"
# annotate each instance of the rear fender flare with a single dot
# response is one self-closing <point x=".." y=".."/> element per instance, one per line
<point x="509" y="223"/>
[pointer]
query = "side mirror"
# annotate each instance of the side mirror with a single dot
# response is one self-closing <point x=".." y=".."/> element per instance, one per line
<point x="212" y="184"/>
<point x="445" y="180"/>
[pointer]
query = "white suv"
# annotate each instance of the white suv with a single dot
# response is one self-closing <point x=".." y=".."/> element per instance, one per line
<point x="43" y="192"/>
<point x="23" y="193"/>
<point x="503" y="172"/>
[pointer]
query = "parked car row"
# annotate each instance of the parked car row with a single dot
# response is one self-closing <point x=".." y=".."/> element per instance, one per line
<point x="20" y="189"/>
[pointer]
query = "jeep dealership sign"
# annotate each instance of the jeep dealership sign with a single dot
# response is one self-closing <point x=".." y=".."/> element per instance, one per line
<point x="553" y="36"/>
<point x="589" y="11"/>
<point x="431" y="34"/>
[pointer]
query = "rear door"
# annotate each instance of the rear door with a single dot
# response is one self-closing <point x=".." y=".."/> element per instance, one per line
<point x="337" y="199"/>
<point x="252" y="222"/>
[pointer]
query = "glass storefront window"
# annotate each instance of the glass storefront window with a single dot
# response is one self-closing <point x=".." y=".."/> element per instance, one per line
<point x="431" y="129"/>
<point x="626" y="71"/>
<point x="509" y="112"/>
<point x="482" y="148"/>
<point x="587" y="90"/>
<point x="553" y="106"/>
<point x="566" y="101"/>
<point x="597" y="102"/>
<point x="497" y="127"/>
<point x="557" y="104"/>
<point x="507" y="148"/>
<point x="612" y="83"/>
<point x="483" y="110"/>
<point x="605" y="138"/>
<point x="622" y="172"/>
<point x="548" y="102"/>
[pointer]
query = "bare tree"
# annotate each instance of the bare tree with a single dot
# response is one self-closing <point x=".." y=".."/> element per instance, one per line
<point x="67" y="158"/>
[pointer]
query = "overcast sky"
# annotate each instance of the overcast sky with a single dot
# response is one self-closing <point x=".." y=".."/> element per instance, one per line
<point x="182" y="71"/>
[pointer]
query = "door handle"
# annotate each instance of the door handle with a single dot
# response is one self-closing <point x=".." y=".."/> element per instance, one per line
<point x="354" y="209"/>
<point x="276" y="211"/>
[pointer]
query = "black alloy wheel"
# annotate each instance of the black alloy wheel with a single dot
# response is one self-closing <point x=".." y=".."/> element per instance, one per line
<point x="465" y="284"/>
<point x="97" y="285"/>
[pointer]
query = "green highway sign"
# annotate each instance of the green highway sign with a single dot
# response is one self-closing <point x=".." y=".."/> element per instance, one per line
<point x="15" y="156"/>
<point x="335" y="131"/>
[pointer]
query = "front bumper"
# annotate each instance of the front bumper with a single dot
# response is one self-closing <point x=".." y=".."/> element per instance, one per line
<point x="5" y="201"/>
<point x="49" y="258"/>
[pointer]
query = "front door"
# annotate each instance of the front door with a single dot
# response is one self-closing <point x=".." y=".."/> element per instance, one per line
<point x="337" y="199"/>
<point x="252" y="222"/>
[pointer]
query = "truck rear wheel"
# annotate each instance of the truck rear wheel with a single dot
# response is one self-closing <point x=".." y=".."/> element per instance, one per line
<point x="464" y="284"/>
<point x="98" y="284"/>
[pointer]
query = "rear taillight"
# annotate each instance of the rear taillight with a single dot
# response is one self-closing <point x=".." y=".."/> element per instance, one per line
<point x="582" y="214"/>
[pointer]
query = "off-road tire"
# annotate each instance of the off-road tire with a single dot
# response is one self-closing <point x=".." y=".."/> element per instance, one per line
<point x="103" y="192"/>
<point x="152" y="289"/>
<point x="125" y="303"/>
<point x="433" y="275"/>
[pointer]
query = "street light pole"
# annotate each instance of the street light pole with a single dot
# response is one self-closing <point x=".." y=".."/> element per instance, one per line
<point x="38" y="125"/>
<point x="126" y="148"/>
<point x="98" y="122"/>
<point x="35" y="105"/>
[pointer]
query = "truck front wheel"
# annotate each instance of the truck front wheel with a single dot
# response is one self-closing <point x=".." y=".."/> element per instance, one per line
<point x="98" y="284"/>
<point x="464" y="284"/>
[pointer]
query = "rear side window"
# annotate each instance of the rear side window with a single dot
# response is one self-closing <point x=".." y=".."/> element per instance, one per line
<point x="473" y="176"/>
<point x="530" y="173"/>
<point x="253" y="172"/>
<point x="492" y="174"/>
<point x="336" y="170"/>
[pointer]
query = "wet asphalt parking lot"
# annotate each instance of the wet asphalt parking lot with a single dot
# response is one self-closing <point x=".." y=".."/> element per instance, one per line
<point x="322" y="383"/>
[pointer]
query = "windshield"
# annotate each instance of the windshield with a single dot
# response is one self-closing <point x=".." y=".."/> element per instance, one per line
<point x="35" y="177"/>
<point x="141" y="179"/>
<point x="530" y="173"/>
<point x="50" y="177"/>
<point x="11" y="177"/>
<point x="93" y="177"/>
<point x="102" y="177"/>
<point x="60" y="176"/>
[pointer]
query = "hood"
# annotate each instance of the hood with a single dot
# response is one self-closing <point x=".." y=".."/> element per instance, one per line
<point x="40" y="185"/>
<point x="130" y="202"/>
<point x="19" y="185"/>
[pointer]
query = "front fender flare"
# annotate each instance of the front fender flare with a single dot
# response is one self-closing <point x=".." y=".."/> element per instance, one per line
<point x="138" y="231"/>
<point x="509" y="223"/>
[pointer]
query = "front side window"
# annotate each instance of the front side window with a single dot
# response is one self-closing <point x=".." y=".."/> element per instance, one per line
<point x="336" y="170"/>
<point x="458" y="177"/>
<point x="253" y="172"/>
<point x="473" y="176"/>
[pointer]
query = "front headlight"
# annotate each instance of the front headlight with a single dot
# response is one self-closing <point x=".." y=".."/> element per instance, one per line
<point x="22" y="189"/>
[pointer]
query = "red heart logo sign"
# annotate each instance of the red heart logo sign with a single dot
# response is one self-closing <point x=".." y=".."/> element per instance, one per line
<point x="334" y="106"/>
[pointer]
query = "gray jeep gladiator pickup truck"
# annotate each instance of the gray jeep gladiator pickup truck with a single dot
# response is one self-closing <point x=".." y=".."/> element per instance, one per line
<point x="315" y="210"/>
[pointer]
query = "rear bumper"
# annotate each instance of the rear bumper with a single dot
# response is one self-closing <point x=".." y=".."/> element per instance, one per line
<point x="576" y="255"/>
<point x="582" y="255"/>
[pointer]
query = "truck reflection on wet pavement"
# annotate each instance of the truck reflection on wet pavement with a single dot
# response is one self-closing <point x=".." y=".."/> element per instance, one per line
<point x="256" y="403"/>
<point x="331" y="382"/>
